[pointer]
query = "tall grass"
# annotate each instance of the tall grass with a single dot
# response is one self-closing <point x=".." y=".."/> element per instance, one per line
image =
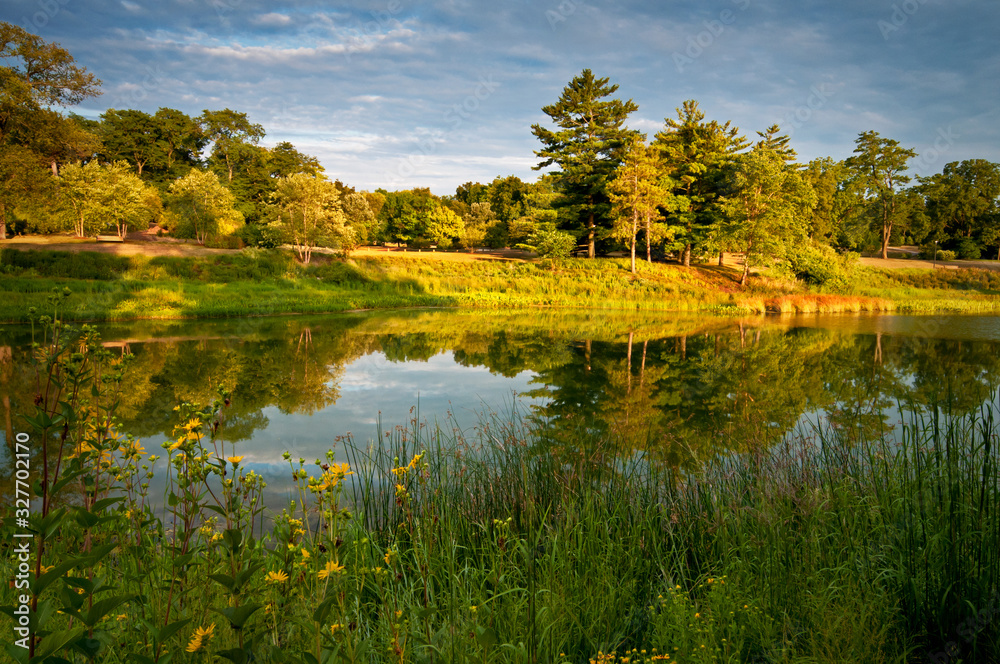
<point x="255" y="282"/>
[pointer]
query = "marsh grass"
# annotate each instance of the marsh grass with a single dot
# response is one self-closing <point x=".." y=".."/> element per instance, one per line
<point x="256" y="282"/>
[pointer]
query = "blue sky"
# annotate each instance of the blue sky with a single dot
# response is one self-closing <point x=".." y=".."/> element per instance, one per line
<point x="395" y="93"/>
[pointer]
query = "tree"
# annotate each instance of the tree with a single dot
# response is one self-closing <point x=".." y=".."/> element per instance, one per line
<point x="477" y="224"/>
<point x="205" y="206"/>
<point x="877" y="166"/>
<point x="23" y="180"/>
<point x="180" y="138"/>
<point x="133" y="136"/>
<point x="587" y="149"/>
<point x="286" y="160"/>
<point x="636" y="196"/>
<point x="962" y="200"/>
<point x="761" y="212"/>
<point x="443" y="226"/>
<point x="309" y="209"/>
<point x="228" y="131"/>
<point x="696" y="155"/>
<point x="360" y="219"/>
<point x="37" y="74"/>
<point x="58" y="139"/>
<point x="77" y="186"/>
<point x="118" y="197"/>
<point x="825" y="176"/>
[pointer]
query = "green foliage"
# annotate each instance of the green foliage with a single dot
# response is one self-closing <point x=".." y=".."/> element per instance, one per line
<point x="589" y="145"/>
<point x="819" y="264"/>
<point x="262" y="236"/>
<point x="550" y="242"/>
<point x="968" y="249"/>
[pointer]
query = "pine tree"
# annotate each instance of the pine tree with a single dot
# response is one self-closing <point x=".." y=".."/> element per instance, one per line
<point x="588" y="148"/>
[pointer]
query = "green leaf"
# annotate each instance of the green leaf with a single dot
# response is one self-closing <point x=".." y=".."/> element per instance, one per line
<point x="103" y="607"/>
<point x="105" y="503"/>
<point x="167" y="631"/>
<point x="233" y="539"/>
<point x="141" y="659"/>
<point x="486" y="637"/>
<point x="244" y="576"/>
<point x="55" y="641"/>
<point x="18" y="654"/>
<point x="39" y="584"/>
<point x="238" y="615"/>
<point x="235" y="655"/>
<point x="224" y="580"/>
<point x="88" y="646"/>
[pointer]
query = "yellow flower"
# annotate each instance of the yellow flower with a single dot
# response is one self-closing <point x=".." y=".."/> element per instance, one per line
<point x="176" y="446"/>
<point x="304" y="552"/>
<point x="121" y="616"/>
<point x="390" y="556"/>
<point x="335" y="627"/>
<point x="331" y="568"/>
<point x="473" y="608"/>
<point x="200" y="638"/>
<point x="276" y="577"/>
<point x="235" y="460"/>
<point x="400" y="491"/>
<point x="400" y="472"/>
<point x="193" y="423"/>
<point x="399" y="613"/>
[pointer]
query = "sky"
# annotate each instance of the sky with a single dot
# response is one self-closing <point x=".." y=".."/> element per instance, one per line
<point x="398" y="94"/>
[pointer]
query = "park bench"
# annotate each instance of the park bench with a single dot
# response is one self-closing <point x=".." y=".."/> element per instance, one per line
<point x="110" y="238"/>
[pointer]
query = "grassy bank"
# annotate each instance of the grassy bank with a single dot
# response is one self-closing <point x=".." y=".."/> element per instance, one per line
<point x="253" y="283"/>
<point x="501" y="546"/>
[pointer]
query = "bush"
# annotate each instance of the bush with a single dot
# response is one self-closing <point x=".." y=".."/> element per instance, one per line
<point x="263" y="236"/>
<point x="968" y="249"/>
<point x="224" y="242"/>
<point x="945" y="255"/>
<point x="821" y="265"/>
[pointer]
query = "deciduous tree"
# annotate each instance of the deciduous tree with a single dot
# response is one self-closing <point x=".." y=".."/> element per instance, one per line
<point x="637" y="193"/>
<point x="204" y="205"/>
<point x="309" y="209"/>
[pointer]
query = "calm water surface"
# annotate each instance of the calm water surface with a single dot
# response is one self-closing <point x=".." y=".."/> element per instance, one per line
<point x="677" y="388"/>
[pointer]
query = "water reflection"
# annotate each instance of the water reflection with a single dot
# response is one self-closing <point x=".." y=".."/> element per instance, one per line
<point x="677" y="388"/>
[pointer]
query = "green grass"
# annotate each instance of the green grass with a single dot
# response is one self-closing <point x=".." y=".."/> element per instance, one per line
<point x="252" y="283"/>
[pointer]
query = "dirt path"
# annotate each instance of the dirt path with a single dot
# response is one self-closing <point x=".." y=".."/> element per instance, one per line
<point x="135" y="244"/>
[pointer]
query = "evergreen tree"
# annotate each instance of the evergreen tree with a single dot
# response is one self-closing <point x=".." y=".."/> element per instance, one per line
<point x="588" y="148"/>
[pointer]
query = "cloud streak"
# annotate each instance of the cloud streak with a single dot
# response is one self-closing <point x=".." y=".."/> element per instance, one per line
<point x="370" y="86"/>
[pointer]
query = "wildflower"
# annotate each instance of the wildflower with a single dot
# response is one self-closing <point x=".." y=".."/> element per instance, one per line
<point x="697" y="615"/>
<point x="120" y="617"/>
<point x="331" y="568"/>
<point x="390" y="557"/>
<point x="46" y="568"/>
<point x="200" y="638"/>
<point x="192" y="424"/>
<point x="473" y="608"/>
<point x="276" y="577"/>
<point x="399" y="613"/>
<point x="305" y="553"/>
<point x="400" y="472"/>
<point x="335" y="627"/>
<point x="235" y="460"/>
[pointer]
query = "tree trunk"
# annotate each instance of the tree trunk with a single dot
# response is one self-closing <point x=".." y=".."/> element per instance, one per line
<point x="686" y="256"/>
<point x="746" y="273"/>
<point x="591" y="234"/>
<point x="55" y="168"/>
<point x="633" y="253"/>
<point x="3" y="222"/>
<point x="629" y="356"/>
<point x="722" y="255"/>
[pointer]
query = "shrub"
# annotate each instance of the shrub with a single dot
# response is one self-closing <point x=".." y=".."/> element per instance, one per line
<point x="224" y="242"/>
<point x="945" y="255"/>
<point x="264" y="236"/>
<point x="821" y="265"/>
<point x="968" y="249"/>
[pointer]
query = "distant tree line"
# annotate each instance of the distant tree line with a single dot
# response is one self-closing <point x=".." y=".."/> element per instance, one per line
<point x="697" y="189"/>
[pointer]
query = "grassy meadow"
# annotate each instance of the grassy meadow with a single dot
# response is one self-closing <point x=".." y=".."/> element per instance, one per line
<point x="251" y="283"/>
<point x="496" y="545"/>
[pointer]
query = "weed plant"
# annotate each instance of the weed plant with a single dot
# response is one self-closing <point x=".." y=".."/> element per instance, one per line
<point x="434" y="544"/>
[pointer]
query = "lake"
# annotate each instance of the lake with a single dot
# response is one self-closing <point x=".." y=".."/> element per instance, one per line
<point x="675" y="388"/>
